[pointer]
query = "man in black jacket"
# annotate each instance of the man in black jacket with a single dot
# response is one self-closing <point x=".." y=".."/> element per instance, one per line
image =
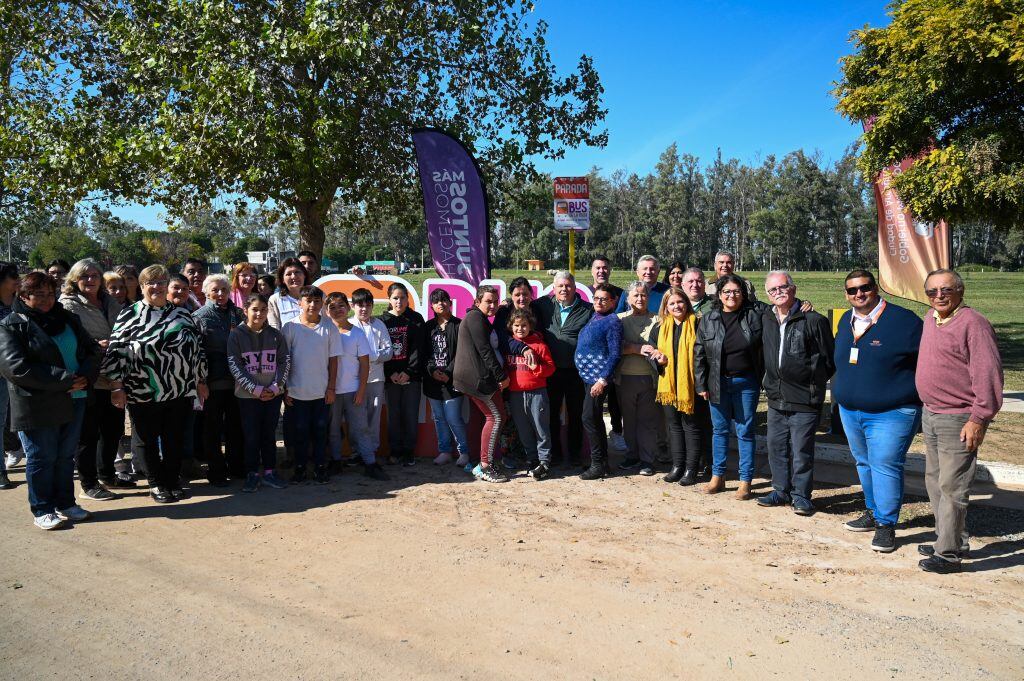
<point x="560" y="317"/>
<point x="798" y="361"/>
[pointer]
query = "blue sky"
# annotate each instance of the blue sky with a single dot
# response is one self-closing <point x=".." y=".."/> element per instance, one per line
<point x="752" y="78"/>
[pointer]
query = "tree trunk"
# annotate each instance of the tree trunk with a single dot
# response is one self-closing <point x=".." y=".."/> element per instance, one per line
<point x="311" y="215"/>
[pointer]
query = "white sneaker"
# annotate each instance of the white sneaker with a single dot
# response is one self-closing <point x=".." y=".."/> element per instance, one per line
<point x="13" y="458"/>
<point x="443" y="458"/>
<point x="617" y="441"/>
<point x="74" y="513"/>
<point x="50" y="521"/>
<point x="463" y="460"/>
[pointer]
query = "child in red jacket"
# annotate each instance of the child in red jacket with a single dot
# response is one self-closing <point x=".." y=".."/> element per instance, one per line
<point x="528" y="392"/>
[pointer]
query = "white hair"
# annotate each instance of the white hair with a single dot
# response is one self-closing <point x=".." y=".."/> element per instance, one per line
<point x="215" y="279"/>
<point x="564" y="274"/>
<point x="778" y="273"/>
<point x="647" y="258"/>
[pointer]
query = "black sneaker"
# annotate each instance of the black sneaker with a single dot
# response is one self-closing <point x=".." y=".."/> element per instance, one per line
<point x="594" y="472"/>
<point x="929" y="550"/>
<point x="647" y="469"/>
<point x="321" y="476"/>
<point x="865" y="523"/>
<point x="374" y="470"/>
<point x="630" y="464"/>
<point x="5" y="482"/>
<point x="178" y="494"/>
<point x="252" y="483"/>
<point x="298" y="475"/>
<point x="120" y="481"/>
<point x="539" y="472"/>
<point x="939" y="565"/>
<point x="218" y="482"/>
<point x="885" y="539"/>
<point x="493" y="474"/>
<point x="98" y="493"/>
<point x="334" y="467"/>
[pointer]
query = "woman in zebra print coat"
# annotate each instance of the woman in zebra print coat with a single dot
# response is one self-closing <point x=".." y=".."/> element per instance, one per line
<point x="157" y="367"/>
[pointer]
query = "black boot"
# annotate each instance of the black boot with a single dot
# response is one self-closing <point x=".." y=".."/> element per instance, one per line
<point x="598" y="469"/>
<point x="674" y="475"/>
<point x="689" y="478"/>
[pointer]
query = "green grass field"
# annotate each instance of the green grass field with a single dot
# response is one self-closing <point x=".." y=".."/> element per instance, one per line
<point x="994" y="294"/>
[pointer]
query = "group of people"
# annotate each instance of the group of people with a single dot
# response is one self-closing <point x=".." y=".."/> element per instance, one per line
<point x="204" y="365"/>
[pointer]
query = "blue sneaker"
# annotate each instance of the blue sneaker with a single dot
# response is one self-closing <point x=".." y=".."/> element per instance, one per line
<point x="776" y="498"/>
<point x="469" y="468"/>
<point x="478" y="472"/>
<point x="511" y="463"/>
<point x="802" y="506"/>
<point x="271" y="480"/>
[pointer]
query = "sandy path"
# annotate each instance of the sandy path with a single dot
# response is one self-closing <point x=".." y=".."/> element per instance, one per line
<point x="431" y="576"/>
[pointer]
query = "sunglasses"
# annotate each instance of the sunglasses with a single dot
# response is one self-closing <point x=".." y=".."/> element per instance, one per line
<point x="936" y="292"/>
<point x="863" y="288"/>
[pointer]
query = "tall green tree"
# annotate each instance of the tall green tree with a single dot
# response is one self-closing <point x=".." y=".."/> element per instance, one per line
<point x="297" y="102"/>
<point x="944" y="80"/>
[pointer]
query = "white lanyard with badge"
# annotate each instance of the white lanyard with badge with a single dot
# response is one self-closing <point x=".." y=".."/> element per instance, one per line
<point x="872" y="319"/>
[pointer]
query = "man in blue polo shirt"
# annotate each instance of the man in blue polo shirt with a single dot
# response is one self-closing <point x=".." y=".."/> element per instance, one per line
<point x="876" y="359"/>
<point x="647" y="269"/>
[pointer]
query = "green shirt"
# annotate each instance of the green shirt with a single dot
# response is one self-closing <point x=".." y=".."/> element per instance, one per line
<point x="636" y="329"/>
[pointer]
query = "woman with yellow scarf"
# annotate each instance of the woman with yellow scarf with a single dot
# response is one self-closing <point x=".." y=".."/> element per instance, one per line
<point x="675" y="336"/>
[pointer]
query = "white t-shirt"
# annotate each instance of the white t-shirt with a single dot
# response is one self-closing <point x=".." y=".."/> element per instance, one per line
<point x="287" y="307"/>
<point x="353" y="346"/>
<point x="311" y="349"/>
<point x="380" y="346"/>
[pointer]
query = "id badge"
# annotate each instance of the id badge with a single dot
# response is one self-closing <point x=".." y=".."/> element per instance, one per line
<point x="853" y="355"/>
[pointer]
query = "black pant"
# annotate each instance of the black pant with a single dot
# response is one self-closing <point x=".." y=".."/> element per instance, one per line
<point x="614" y="408"/>
<point x="403" y="417"/>
<point x="593" y="423"/>
<point x="791" y="451"/>
<point x="161" y="438"/>
<point x="565" y="385"/>
<point x="259" y="430"/>
<point x="702" y="412"/>
<point x="222" y="423"/>
<point x="102" y="429"/>
<point x="684" y="438"/>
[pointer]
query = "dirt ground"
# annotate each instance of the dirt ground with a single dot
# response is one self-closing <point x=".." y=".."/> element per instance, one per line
<point x="433" y="576"/>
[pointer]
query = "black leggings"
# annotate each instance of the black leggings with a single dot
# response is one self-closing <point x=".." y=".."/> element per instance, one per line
<point x="684" y="438"/>
<point x="161" y="437"/>
<point x="102" y="430"/>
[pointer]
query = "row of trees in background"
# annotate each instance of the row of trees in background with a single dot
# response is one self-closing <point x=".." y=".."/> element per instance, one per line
<point x="796" y="212"/>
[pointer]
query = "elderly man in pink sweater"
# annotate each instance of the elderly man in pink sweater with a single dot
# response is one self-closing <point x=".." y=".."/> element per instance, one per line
<point x="960" y="380"/>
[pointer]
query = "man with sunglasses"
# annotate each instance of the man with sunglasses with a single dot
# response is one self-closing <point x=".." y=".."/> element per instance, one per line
<point x="960" y="381"/>
<point x="876" y="354"/>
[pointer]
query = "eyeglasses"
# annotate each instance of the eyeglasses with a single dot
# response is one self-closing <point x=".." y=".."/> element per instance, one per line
<point x="945" y="291"/>
<point x="732" y="293"/>
<point x="602" y="299"/>
<point x="863" y="288"/>
<point x="774" y="291"/>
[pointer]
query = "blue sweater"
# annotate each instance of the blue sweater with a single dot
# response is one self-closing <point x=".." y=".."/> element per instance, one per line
<point x="883" y="377"/>
<point x="599" y="348"/>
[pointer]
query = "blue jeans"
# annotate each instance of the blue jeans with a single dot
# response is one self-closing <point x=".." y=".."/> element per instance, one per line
<point x="737" y="405"/>
<point x="448" y="421"/>
<point x="309" y="422"/>
<point x="50" y="463"/>
<point x="259" y="427"/>
<point x="879" y="443"/>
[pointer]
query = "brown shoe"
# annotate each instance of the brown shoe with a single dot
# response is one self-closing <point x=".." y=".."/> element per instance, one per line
<point x="715" y="485"/>
<point x="743" y="491"/>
